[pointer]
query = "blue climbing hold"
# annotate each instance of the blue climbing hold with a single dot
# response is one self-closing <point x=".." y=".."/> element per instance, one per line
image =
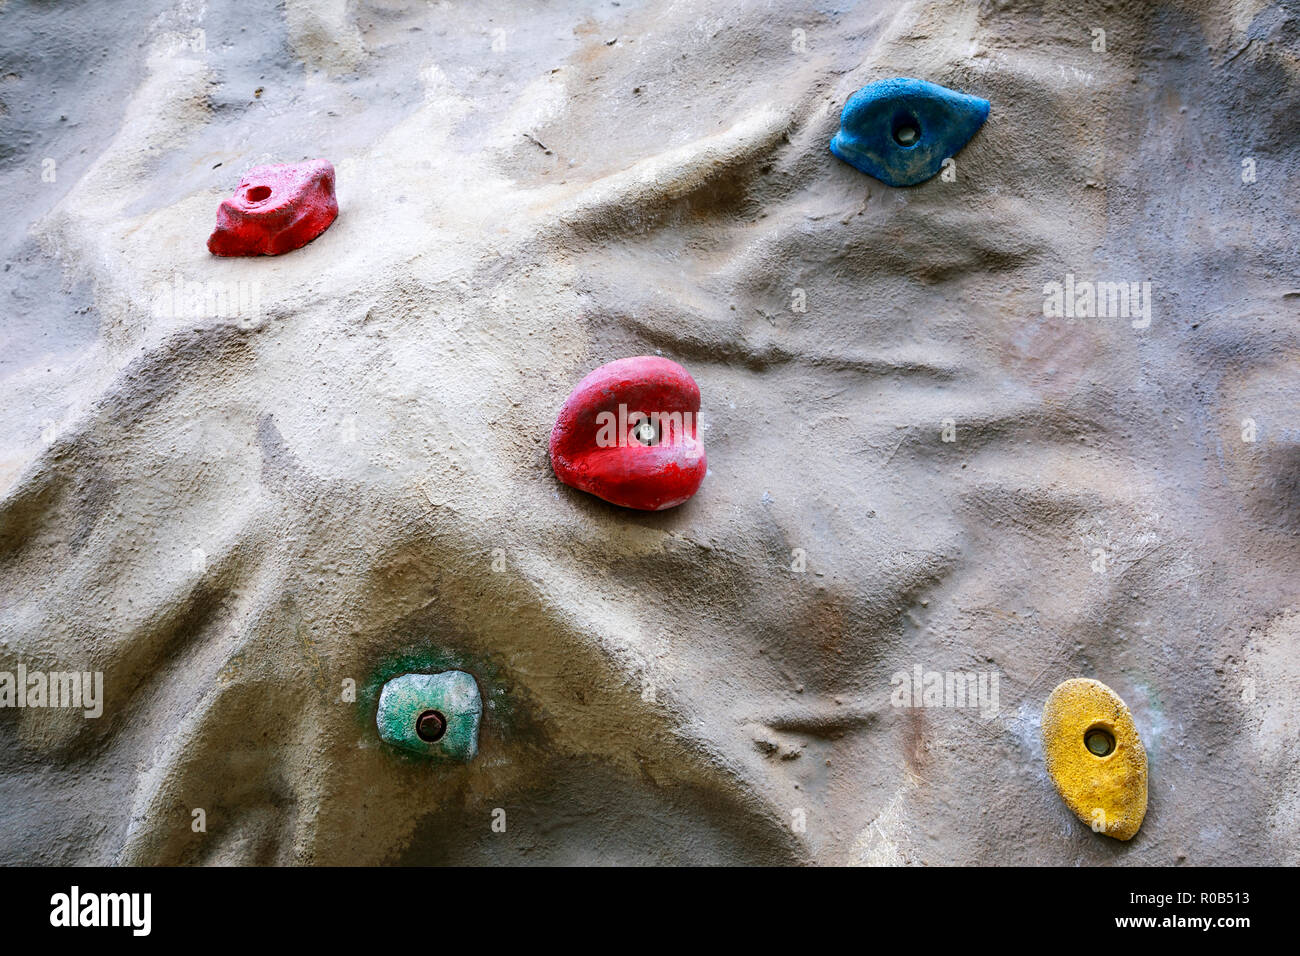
<point x="901" y="130"/>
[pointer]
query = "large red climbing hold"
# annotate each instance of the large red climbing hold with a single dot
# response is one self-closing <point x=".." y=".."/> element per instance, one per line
<point x="276" y="209"/>
<point x="628" y="434"/>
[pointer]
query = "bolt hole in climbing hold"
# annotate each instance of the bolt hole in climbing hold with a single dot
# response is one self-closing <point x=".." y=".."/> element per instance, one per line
<point x="259" y="193"/>
<point x="907" y="131"/>
<point x="646" y="432"/>
<point x="430" y="726"/>
<point x="1099" y="741"/>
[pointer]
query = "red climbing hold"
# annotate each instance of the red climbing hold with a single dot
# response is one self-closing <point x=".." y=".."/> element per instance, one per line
<point x="628" y="434"/>
<point x="276" y="209"/>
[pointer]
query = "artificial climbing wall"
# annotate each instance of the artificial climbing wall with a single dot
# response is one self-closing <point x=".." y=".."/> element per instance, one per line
<point x="249" y="493"/>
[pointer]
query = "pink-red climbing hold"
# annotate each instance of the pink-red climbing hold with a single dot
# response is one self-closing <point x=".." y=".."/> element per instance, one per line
<point x="628" y="433"/>
<point x="276" y="209"/>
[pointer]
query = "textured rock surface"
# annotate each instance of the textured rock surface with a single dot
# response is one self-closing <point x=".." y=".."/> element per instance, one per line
<point x="233" y="516"/>
<point x="1104" y="783"/>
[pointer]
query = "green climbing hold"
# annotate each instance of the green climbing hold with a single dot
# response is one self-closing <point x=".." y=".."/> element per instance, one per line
<point x="432" y="714"/>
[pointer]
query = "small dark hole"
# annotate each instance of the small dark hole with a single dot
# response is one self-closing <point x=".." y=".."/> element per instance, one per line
<point x="1099" y="741"/>
<point x="907" y="130"/>
<point x="259" y="193"/>
<point x="430" y="726"/>
<point x="646" y="432"/>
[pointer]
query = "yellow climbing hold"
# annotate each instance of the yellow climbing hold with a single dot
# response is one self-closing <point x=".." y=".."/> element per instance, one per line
<point x="1095" y="757"/>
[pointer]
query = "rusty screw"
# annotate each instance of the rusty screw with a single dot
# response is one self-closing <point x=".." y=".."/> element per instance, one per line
<point x="430" y="726"/>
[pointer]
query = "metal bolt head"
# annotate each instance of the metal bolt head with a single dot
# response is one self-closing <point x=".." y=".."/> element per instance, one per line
<point x="430" y="726"/>
<point x="1099" y="742"/>
<point x="907" y="135"/>
<point x="646" y="433"/>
